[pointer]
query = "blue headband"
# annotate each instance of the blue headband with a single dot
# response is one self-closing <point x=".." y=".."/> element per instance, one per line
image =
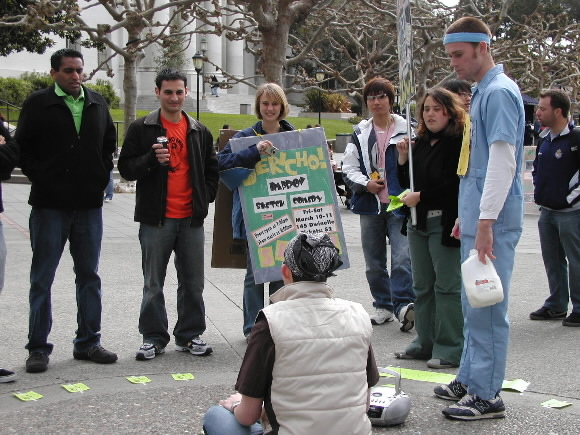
<point x="466" y="37"/>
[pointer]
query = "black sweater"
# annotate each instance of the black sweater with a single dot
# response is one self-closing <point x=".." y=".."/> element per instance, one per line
<point x="435" y="175"/>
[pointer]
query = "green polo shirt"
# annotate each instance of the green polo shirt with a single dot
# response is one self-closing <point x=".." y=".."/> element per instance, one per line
<point x="75" y="106"/>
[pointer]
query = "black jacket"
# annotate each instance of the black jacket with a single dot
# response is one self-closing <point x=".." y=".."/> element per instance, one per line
<point x="8" y="157"/>
<point x="138" y="162"/>
<point x="68" y="171"/>
<point x="435" y="172"/>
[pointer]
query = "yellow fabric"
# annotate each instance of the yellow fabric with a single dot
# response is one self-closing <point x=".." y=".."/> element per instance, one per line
<point x="464" y="155"/>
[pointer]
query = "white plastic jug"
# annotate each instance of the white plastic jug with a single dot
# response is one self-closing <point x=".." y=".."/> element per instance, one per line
<point x="482" y="284"/>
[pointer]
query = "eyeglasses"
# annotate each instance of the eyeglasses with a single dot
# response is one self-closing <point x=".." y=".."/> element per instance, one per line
<point x="465" y="95"/>
<point x="376" y="97"/>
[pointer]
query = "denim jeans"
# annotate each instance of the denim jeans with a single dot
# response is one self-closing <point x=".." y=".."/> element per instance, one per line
<point x="219" y="421"/>
<point x="2" y="256"/>
<point x="395" y="291"/>
<point x="560" y="242"/>
<point x="157" y="244"/>
<point x="109" y="188"/>
<point x="49" y="232"/>
<point x="254" y="296"/>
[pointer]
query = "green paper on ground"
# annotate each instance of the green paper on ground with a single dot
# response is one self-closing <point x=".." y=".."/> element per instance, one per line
<point x="182" y="376"/>
<point x="26" y="397"/>
<point x="138" y="379"/>
<point x="554" y="403"/>
<point x="396" y="200"/>
<point x="75" y="388"/>
<point x="421" y="375"/>
<point x="517" y="385"/>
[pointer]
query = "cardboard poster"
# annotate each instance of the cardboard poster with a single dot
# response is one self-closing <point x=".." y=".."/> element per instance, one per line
<point x="291" y="191"/>
<point x="226" y="252"/>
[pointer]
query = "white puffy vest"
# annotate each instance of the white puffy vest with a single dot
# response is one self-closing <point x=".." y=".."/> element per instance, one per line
<point x="319" y="380"/>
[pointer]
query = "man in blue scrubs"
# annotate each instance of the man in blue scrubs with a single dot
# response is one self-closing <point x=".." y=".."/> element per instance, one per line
<point x="490" y="216"/>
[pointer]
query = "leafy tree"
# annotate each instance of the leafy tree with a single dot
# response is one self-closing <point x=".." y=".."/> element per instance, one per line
<point x="19" y="36"/>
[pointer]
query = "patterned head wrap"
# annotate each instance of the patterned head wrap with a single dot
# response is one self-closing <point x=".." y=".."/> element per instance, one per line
<point x="312" y="257"/>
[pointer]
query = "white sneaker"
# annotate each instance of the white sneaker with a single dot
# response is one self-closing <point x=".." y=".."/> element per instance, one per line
<point x="407" y="317"/>
<point x="381" y="316"/>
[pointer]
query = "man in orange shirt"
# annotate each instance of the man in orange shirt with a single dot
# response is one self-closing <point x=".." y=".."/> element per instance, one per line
<point x="173" y="158"/>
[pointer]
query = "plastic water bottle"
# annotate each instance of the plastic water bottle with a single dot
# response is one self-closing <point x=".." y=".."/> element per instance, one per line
<point x="482" y="284"/>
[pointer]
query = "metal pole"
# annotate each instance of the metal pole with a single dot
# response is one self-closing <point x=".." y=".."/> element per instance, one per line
<point x="197" y="95"/>
<point x="319" y="105"/>
<point x="411" y="178"/>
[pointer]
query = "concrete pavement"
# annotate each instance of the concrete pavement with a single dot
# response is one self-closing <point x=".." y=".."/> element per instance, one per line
<point x="542" y="353"/>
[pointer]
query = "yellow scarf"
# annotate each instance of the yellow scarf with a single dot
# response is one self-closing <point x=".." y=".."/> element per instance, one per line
<point x="464" y="155"/>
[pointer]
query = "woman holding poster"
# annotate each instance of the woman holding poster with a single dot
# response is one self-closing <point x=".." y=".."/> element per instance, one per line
<point x="271" y="107"/>
<point x="435" y="256"/>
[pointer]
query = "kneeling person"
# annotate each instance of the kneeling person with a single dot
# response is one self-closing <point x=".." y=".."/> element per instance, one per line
<point x="309" y="364"/>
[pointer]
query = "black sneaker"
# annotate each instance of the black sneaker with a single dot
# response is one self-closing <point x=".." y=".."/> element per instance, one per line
<point x="547" y="314"/>
<point x="96" y="354"/>
<point x="453" y="391"/>
<point x="7" y="376"/>
<point x="195" y="347"/>
<point x="572" y="320"/>
<point x="474" y="408"/>
<point x="148" y="351"/>
<point x="37" y="362"/>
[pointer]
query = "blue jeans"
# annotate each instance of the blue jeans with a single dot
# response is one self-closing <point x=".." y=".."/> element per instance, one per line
<point x="109" y="188"/>
<point x="157" y="244"/>
<point x="2" y="256"/>
<point x="395" y="291"/>
<point x="49" y="232"/>
<point x="254" y="296"/>
<point x="219" y="421"/>
<point x="560" y="241"/>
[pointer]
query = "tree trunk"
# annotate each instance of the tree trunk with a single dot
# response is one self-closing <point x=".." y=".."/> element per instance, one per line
<point x="132" y="61"/>
<point x="275" y="42"/>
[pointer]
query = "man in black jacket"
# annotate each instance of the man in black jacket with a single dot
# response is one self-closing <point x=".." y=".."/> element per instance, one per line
<point x="8" y="159"/>
<point x="173" y="160"/>
<point x="557" y="191"/>
<point x="67" y="139"/>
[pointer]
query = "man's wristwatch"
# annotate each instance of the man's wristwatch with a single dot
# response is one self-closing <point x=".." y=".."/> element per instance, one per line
<point x="235" y="405"/>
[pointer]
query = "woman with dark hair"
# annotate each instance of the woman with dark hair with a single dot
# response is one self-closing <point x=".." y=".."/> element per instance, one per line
<point x="435" y="257"/>
<point x="271" y="107"/>
<point x="461" y="88"/>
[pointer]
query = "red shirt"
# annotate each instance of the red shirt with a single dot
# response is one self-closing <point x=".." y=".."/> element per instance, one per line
<point x="179" y="193"/>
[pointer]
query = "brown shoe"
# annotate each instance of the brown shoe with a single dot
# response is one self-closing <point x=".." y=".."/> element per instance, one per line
<point x="96" y="354"/>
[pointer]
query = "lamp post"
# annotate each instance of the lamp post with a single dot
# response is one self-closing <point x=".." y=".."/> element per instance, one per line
<point x="198" y="65"/>
<point x="203" y="48"/>
<point x="319" y="75"/>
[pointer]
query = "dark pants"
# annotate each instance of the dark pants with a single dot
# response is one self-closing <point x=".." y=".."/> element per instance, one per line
<point x="49" y="232"/>
<point x="157" y="244"/>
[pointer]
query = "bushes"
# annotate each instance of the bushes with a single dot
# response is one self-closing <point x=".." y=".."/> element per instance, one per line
<point x="15" y="91"/>
<point x="326" y="102"/>
<point x="105" y="88"/>
<point x="37" y="80"/>
<point x="336" y="103"/>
